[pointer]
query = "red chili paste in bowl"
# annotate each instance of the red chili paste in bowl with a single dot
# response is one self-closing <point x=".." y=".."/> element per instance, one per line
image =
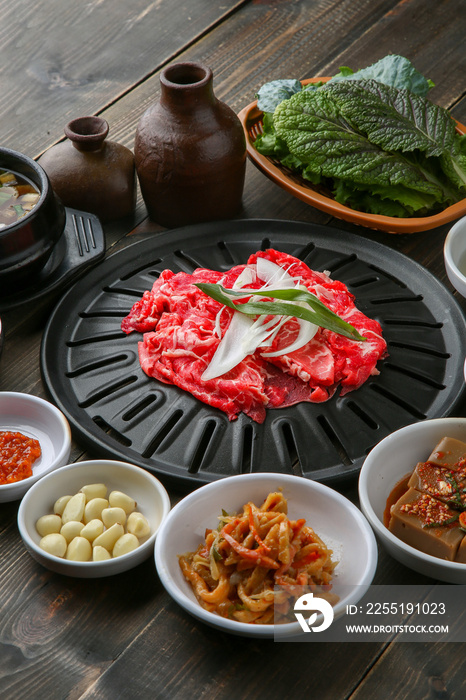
<point x="17" y="455"/>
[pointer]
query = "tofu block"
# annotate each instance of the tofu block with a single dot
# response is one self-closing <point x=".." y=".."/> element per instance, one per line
<point x="449" y="452"/>
<point x="413" y="518"/>
<point x="461" y="553"/>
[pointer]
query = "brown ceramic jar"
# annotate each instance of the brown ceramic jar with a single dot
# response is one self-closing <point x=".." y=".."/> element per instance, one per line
<point x="90" y="173"/>
<point x="190" y="151"/>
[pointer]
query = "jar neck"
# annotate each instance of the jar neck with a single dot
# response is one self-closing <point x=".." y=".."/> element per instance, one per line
<point x="186" y="86"/>
<point x="87" y="133"/>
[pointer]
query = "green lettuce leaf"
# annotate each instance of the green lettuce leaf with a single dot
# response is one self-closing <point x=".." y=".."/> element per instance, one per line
<point x="390" y="70"/>
<point x="394" y="119"/>
<point x="397" y="120"/>
<point x="314" y="129"/>
<point x="369" y="136"/>
<point x="274" y="92"/>
<point x="268" y="143"/>
<point x="454" y="165"/>
<point x="394" y="200"/>
<point x="271" y="94"/>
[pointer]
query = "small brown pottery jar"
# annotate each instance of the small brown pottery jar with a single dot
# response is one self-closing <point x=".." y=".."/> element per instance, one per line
<point x="190" y="151"/>
<point x="89" y="173"/>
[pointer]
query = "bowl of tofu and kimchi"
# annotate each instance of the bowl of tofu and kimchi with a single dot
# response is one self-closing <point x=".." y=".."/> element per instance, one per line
<point x="412" y="491"/>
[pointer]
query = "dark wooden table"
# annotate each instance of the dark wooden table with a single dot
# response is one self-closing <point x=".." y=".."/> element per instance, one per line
<point x="123" y="637"/>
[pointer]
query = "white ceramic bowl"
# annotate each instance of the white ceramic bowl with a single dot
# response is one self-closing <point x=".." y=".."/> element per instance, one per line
<point x="454" y="253"/>
<point x="340" y="524"/>
<point x="391" y="460"/>
<point x="37" y="419"/>
<point x="151" y="497"/>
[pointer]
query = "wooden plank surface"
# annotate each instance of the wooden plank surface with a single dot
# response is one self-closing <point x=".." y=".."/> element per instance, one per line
<point x="62" y="60"/>
<point x="124" y="637"/>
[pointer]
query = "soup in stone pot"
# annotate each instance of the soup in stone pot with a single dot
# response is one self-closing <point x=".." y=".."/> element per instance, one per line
<point x="17" y="197"/>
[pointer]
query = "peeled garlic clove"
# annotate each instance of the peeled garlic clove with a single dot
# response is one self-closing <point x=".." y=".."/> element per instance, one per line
<point x="138" y="525"/>
<point x="110" y="516"/>
<point x="94" y="491"/>
<point x="99" y="553"/>
<point x="94" y="509"/>
<point x="79" y="549"/>
<point x="48" y="524"/>
<point x="71" y="529"/>
<point x="74" y="509"/>
<point x="124" y="544"/>
<point x="92" y="529"/>
<point x="54" y="544"/>
<point x="119" y="499"/>
<point x="60" y="503"/>
<point x="108" y="538"/>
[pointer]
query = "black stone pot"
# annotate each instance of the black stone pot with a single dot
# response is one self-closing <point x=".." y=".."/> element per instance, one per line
<point x="26" y="245"/>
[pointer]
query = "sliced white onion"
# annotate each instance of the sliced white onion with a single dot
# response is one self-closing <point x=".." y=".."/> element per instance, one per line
<point x="281" y="321"/>
<point x="218" y="328"/>
<point x="306" y="333"/>
<point x="247" y="276"/>
<point x="244" y="335"/>
<point x="260" y="332"/>
<point x="272" y="274"/>
<point x="242" y="338"/>
<point x="229" y="352"/>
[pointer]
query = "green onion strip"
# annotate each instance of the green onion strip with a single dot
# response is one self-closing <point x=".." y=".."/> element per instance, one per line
<point x="318" y="313"/>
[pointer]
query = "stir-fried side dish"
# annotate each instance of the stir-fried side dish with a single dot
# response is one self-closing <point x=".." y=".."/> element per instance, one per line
<point x="17" y="197"/>
<point x="266" y="334"/>
<point x="234" y="571"/>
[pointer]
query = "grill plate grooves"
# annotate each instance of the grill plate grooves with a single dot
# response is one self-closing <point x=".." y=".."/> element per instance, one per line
<point x="92" y="372"/>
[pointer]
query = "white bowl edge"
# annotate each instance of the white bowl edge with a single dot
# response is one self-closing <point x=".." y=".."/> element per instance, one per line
<point x="453" y="250"/>
<point x="453" y="572"/>
<point x="76" y="475"/>
<point x="182" y="593"/>
<point x="60" y="443"/>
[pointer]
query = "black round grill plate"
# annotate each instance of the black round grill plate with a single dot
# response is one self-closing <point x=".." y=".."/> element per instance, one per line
<point x="91" y="368"/>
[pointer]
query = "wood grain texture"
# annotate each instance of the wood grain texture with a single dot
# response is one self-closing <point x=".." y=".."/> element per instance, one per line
<point x="61" y="60"/>
<point x="263" y="41"/>
<point x="421" y="671"/>
<point x="229" y="667"/>
<point x="123" y="637"/>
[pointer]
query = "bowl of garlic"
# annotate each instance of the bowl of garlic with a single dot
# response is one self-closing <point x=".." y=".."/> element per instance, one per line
<point x="93" y="519"/>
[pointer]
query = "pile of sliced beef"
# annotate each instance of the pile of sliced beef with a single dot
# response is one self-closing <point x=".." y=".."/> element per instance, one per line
<point x="180" y="328"/>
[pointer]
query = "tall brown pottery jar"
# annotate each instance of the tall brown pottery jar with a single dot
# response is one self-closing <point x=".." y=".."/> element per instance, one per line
<point x="190" y="151"/>
<point x="91" y="173"/>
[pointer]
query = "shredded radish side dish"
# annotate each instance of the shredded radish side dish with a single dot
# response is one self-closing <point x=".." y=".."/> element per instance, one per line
<point x="234" y="571"/>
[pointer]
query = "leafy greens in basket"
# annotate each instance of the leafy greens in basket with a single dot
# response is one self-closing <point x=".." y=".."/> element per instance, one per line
<point x="371" y="137"/>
